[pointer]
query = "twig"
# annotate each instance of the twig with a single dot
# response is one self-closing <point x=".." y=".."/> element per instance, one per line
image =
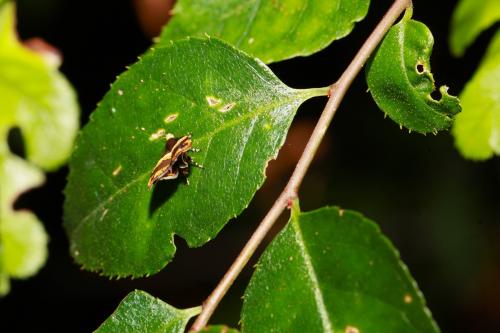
<point x="336" y="94"/>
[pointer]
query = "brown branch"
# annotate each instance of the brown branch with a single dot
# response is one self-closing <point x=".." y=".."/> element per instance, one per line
<point x="336" y="94"/>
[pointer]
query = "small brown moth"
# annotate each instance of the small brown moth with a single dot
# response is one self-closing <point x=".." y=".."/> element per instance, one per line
<point x="175" y="160"/>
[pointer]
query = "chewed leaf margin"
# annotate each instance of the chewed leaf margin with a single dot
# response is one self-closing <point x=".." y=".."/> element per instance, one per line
<point x="400" y="81"/>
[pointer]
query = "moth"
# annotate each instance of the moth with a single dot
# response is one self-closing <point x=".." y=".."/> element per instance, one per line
<point x="175" y="160"/>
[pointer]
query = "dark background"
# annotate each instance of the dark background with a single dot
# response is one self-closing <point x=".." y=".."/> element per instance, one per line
<point x="441" y="211"/>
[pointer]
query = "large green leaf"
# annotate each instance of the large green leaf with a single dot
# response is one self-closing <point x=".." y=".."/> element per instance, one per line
<point x="469" y="19"/>
<point x="332" y="270"/>
<point x="400" y="80"/>
<point x="140" y="312"/>
<point x="269" y="30"/>
<point x="238" y="113"/>
<point x="36" y="98"/>
<point x="477" y="128"/>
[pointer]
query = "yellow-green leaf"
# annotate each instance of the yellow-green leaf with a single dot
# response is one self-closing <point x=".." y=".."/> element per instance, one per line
<point x="23" y="241"/>
<point x="477" y="128"/>
<point x="469" y="19"/>
<point x="36" y="98"/>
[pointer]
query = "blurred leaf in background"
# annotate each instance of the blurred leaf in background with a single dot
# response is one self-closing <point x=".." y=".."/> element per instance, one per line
<point x="38" y="100"/>
<point x="477" y="128"/>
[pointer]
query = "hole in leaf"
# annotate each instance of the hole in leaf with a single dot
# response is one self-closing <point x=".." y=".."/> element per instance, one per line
<point x="420" y="68"/>
<point x="436" y="95"/>
<point x="16" y="142"/>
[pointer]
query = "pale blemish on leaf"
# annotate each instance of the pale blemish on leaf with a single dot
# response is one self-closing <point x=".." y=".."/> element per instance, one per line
<point x="104" y="212"/>
<point x="228" y="107"/>
<point x="267" y="126"/>
<point x="170" y="118"/>
<point x="351" y="329"/>
<point x="158" y="134"/>
<point x="120" y="92"/>
<point x="213" y="101"/>
<point x="113" y="110"/>
<point x="117" y="171"/>
<point x="408" y="299"/>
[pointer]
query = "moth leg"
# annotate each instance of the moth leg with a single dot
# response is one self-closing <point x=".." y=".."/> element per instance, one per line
<point x="193" y="162"/>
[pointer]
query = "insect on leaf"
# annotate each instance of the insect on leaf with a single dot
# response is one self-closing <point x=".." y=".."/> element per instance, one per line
<point x="400" y="80"/>
<point x="238" y="114"/>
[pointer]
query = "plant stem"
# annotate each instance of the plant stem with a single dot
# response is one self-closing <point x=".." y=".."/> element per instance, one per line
<point x="336" y="94"/>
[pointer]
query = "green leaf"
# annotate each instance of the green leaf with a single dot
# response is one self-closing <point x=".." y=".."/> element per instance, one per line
<point x="477" y="128"/>
<point x="269" y="30"/>
<point x="332" y="270"/>
<point x="142" y="313"/>
<point x="36" y="98"/>
<point x="400" y="80"/>
<point x="218" y="329"/>
<point x="470" y="18"/>
<point x="238" y="113"/>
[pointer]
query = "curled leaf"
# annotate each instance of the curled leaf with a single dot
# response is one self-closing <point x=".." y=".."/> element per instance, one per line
<point x="400" y="80"/>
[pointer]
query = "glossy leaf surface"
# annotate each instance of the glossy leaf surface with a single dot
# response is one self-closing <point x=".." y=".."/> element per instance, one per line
<point x="35" y="98"/>
<point x="332" y="270"/>
<point x="400" y="80"/>
<point x="469" y="19"/>
<point x="268" y="30"/>
<point x="140" y="312"/>
<point x="477" y="128"/>
<point x="238" y="113"/>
